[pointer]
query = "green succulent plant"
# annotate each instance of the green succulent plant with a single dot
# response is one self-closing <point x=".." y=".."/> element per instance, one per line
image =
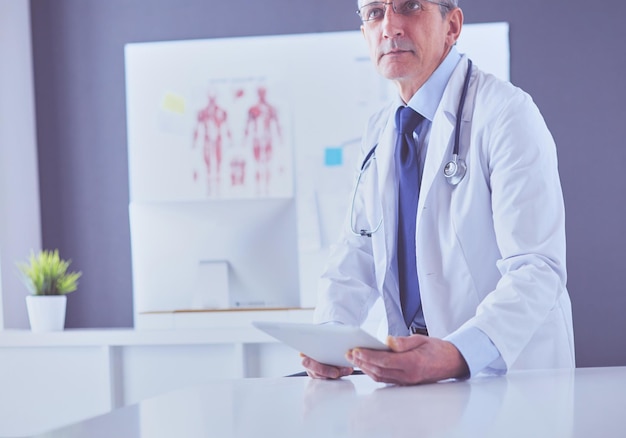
<point x="46" y="274"/>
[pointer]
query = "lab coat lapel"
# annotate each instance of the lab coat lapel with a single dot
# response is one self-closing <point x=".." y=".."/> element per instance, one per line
<point x="387" y="190"/>
<point x="441" y="142"/>
<point x="440" y="136"/>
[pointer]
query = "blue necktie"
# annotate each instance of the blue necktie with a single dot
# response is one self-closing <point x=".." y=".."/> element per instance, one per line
<point x="406" y="157"/>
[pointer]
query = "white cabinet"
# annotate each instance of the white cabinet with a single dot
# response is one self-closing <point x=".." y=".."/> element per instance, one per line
<point x="52" y="379"/>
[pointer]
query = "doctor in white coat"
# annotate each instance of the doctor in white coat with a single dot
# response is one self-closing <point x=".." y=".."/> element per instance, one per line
<point x="490" y="249"/>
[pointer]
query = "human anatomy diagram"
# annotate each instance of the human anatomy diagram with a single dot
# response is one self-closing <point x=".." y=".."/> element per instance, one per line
<point x="209" y="134"/>
<point x="262" y="131"/>
<point x="239" y="135"/>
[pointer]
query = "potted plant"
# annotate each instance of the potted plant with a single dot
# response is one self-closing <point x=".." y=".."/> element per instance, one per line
<point x="47" y="278"/>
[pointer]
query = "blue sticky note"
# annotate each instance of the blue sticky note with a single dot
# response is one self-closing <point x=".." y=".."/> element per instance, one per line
<point x="333" y="156"/>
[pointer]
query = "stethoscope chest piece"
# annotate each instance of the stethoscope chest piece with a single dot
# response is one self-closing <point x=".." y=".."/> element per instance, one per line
<point x="455" y="170"/>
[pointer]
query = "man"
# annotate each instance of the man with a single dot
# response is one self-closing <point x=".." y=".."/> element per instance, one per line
<point x="487" y="261"/>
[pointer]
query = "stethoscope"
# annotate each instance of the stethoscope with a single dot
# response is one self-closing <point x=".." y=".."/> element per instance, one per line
<point x="454" y="170"/>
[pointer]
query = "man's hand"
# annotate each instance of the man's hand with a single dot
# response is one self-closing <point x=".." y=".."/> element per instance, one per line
<point x="321" y="371"/>
<point x="413" y="359"/>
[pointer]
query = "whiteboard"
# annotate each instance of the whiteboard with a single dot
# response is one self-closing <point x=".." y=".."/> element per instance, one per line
<point x="265" y="117"/>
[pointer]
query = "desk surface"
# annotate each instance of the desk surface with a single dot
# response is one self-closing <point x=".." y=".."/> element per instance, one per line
<point x="557" y="404"/>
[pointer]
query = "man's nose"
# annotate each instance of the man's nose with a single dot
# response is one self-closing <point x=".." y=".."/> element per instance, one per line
<point x="392" y="24"/>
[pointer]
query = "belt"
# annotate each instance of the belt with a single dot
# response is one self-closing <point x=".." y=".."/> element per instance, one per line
<point x="418" y="330"/>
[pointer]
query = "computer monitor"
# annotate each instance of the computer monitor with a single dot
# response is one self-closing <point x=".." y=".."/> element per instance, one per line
<point x="182" y="250"/>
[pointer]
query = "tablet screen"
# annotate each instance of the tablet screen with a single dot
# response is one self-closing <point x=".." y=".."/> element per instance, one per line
<point x="326" y="343"/>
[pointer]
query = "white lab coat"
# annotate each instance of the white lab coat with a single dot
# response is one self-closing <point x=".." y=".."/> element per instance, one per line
<point x="490" y="251"/>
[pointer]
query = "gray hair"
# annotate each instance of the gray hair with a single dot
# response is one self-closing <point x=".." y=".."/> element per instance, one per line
<point x="448" y="5"/>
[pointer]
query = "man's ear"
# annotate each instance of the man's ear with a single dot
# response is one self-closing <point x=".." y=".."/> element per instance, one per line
<point x="455" y="24"/>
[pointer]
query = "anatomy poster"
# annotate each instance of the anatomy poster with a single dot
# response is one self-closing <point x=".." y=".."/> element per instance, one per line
<point x="238" y="145"/>
<point x="228" y="139"/>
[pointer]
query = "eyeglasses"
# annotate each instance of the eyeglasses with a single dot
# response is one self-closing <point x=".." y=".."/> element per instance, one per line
<point x="375" y="11"/>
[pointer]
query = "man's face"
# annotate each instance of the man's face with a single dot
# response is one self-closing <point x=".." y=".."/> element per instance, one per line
<point x="408" y="48"/>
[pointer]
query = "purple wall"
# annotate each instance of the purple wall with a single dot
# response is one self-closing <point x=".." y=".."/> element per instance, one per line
<point x="569" y="56"/>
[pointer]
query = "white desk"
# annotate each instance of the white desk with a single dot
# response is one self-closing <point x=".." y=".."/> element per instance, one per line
<point x="553" y="404"/>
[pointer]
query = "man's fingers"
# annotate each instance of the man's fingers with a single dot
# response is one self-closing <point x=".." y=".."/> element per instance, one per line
<point x="413" y="359"/>
<point x="381" y="366"/>
<point x="322" y="371"/>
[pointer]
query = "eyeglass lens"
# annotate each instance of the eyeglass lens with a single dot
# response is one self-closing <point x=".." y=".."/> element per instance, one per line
<point x="376" y="10"/>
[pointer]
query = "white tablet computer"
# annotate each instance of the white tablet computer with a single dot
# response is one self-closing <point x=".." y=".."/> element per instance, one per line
<point x="326" y="343"/>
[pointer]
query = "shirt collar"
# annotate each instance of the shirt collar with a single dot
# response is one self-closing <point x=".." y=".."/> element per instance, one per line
<point x="426" y="100"/>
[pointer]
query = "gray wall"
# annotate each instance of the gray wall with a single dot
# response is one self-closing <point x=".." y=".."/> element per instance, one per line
<point x="569" y="55"/>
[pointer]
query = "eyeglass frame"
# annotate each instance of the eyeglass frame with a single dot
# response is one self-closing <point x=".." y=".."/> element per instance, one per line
<point x="393" y="6"/>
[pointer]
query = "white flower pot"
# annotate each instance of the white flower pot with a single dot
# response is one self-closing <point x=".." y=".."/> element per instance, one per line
<point x="46" y="313"/>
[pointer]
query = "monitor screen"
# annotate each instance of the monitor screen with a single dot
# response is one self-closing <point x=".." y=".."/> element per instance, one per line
<point x="214" y="254"/>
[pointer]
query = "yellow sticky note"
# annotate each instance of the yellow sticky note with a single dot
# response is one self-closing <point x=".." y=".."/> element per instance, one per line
<point x="174" y="103"/>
